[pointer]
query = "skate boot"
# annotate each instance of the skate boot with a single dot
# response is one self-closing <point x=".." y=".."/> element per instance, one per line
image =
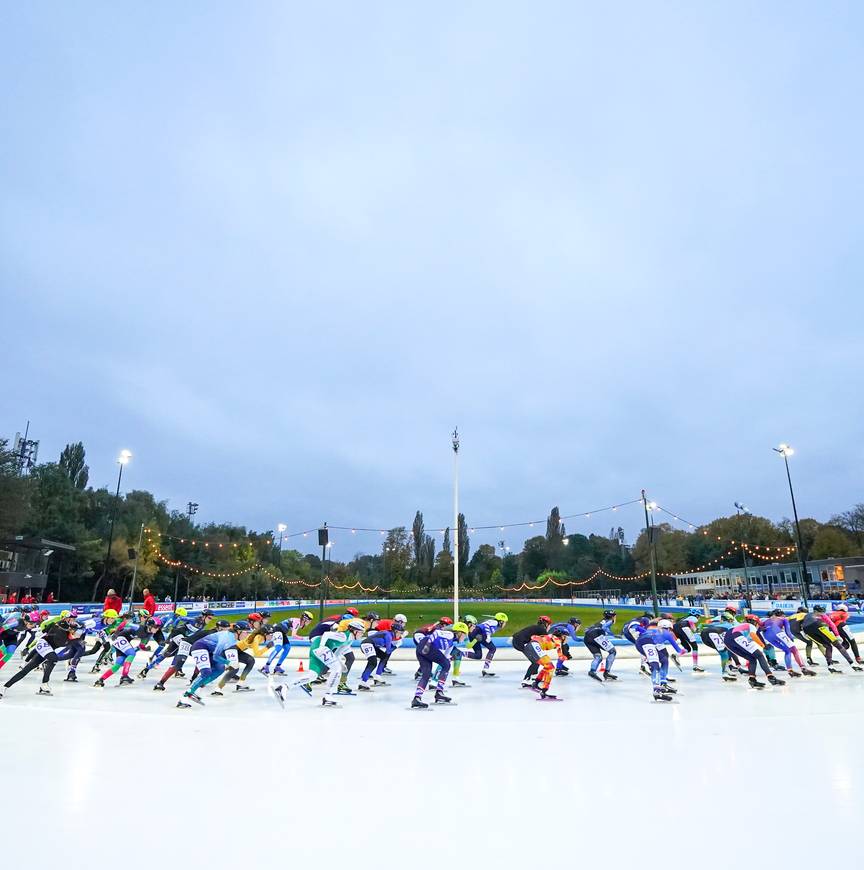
<point x="71" y="677"/>
<point x="388" y="672"/>
<point x="99" y="683"/>
<point x="488" y="674"/>
<point x="441" y="698"/>
<point x="644" y="670"/>
<point x="562" y="673"/>
<point x="345" y="690"/>
<point x="458" y="684"/>
<point x="418" y="704"/>
<point x="775" y="681"/>
<point x="755" y="684"/>
<point x="608" y="676"/>
<point x="279" y="693"/>
<point x="217" y="693"/>
<point x="127" y="681"/>
<point x="182" y="705"/>
<point x="142" y="674"/>
<point x="376" y="682"/>
<point x="857" y="668"/>
<point x="326" y="702"/>
<point x="242" y="687"/>
<point x="306" y="688"/>
<point x="777" y="667"/>
<point x="318" y="681"/>
<point x="528" y="684"/>
<point x="545" y="696"/>
<point x="265" y="670"/>
<point x="44" y="690"/>
<point x="660" y="695"/>
<point x="179" y="673"/>
<point x="280" y="671"/>
<point x="793" y="673"/>
<point x="158" y="687"/>
<point x="729" y="678"/>
<point x="667" y="689"/>
<point x="698" y="670"/>
<point x="364" y="686"/>
<point x="813" y="664"/>
<point x="563" y="669"/>
<point x="833" y="669"/>
<point x="193" y="697"/>
<point x="595" y="676"/>
<point x="807" y="672"/>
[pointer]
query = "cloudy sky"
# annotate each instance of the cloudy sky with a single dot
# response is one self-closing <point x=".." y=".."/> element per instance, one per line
<point x="280" y="252"/>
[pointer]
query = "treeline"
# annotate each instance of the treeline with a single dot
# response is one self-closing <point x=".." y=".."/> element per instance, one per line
<point x="54" y="501"/>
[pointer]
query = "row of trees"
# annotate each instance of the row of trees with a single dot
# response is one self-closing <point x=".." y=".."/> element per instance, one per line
<point x="54" y="501"/>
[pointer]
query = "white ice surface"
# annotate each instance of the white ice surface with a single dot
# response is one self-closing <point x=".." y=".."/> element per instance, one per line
<point x="607" y="774"/>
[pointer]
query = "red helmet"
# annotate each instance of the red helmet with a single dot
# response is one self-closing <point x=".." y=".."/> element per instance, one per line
<point x="255" y="617"/>
<point x="352" y="610"/>
<point x="43" y="613"/>
<point x="544" y="619"/>
<point x="753" y="619"/>
<point x="445" y="620"/>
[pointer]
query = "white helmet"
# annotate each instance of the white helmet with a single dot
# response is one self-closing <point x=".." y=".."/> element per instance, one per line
<point x="400" y="617"/>
<point x="665" y="623"/>
<point x="842" y="607"/>
<point x="356" y="625"/>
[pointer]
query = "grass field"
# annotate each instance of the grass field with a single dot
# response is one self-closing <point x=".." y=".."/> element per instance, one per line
<point x="424" y="612"/>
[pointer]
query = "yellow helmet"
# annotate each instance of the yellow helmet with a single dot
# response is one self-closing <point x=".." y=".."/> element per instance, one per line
<point x="181" y="611"/>
<point x="110" y="613"/>
<point x="501" y="617"/>
<point x="65" y="613"/>
<point x="460" y="626"/>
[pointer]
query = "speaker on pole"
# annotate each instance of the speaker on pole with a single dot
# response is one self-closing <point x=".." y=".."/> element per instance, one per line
<point x="323" y="537"/>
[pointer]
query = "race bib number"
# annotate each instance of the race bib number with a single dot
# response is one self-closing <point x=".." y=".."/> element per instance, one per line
<point x="233" y="658"/>
<point x="278" y="638"/>
<point x="367" y="649"/>
<point x="536" y="647"/>
<point x="717" y="642"/>
<point x="44" y="648"/>
<point x="603" y="642"/>
<point x="784" y="638"/>
<point x="123" y="645"/>
<point x="201" y="658"/>
<point x="325" y="655"/>
<point x="183" y="647"/>
<point x="650" y="652"/>
<point x="747" y="643"/>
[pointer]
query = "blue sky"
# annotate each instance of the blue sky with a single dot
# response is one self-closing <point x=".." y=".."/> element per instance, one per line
<point x="279" y="252"/>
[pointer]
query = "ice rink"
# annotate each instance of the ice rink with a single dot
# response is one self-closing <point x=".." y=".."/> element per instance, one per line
<point x="606" y="775"/>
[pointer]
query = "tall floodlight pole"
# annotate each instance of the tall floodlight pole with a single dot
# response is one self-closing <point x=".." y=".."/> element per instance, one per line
<point x="786" y="451"/>
<point x="281" y="528"/>
<point x="649" y="533"/>
<point x="122" y="460"/>
<point x="455" y="525"/>
<point x="135" y="569"/>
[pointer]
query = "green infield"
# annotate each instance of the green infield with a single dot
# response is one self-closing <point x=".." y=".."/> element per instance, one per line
<point x="520" y="614"/>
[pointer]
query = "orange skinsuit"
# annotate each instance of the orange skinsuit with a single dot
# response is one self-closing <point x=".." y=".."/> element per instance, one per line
<point x="548" y="647"/>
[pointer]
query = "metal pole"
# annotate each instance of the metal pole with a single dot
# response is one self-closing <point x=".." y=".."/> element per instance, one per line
<point x="805" y="577"/>
<point x="744" y="559"/>
<point x="111" y="530"/>
<point x="455" y="525"/>
<point x="135" y="569"/>
<point x="651" y="553"/>
<point x="323" y="575"/>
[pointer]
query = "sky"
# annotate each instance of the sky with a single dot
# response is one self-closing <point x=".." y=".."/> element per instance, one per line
<point x="279" y="252"/>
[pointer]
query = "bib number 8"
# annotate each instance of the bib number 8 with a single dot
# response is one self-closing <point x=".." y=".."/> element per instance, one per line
<point x="650" y="653"/>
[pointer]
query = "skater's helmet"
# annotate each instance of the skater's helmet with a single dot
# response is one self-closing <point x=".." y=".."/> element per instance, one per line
<point x="645" y="619"/>
<point x="110" y="613"/>
<point x="732" y="607"/>
<point x="777" y="612"/>
<point x="207" y="614"/>
<point x="609" y="614"/>
<point x="501" y="617"/>
<point x="460" y="626"/>
<point x="695" y="611"/>
<point x="469" y="619"/>
<point x="574" y="620"/>
<point x="544" y="619"/>
<point x="181" y="611"/>
<point x="353" y="611"/>
<point x="842" y="607"/>
<point x="559" y="632"/>
<point x="265" y="614"/>
<point x="223" y="624"/>
<point x="307" y="616"/>
<point x="255" y="617"/>
<point x="818" y="608"/>
<point x="664" y="623"/>
<point x="43" y="613"/>
<point x="445" y="620"/>
<point x="143" y="614"/>
<point x="802" y="609"/>
<point x="752" y="618"/>
<point x="153" y="623"/>
<point x="372" y="616"/>
<point x="400" y="617"/>
<point x="356" y="625"/>
<point x="65" y="613"/>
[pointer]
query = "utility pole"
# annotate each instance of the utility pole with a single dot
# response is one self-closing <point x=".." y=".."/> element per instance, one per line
<point x="455" y="442"/>
<point x="649" y="531"/>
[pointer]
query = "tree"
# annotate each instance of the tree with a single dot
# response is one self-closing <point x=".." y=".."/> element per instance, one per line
<point x="482" y="564"/>
<point x="554" y="539"/>
<point x="396" y="551"/>
<point x="418" y="531"/>
<point x="464" y="542"/>
<point x="445" y="546"/>
<point x="72" y="462"/>
<point x="532" y="560"/>
<point x="851" y="521"/>
<point x="831" y="541"/>
<point x="14" y="493"/>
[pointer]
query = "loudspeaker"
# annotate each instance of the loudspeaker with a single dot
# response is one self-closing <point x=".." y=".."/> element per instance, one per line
<point x="323" y="537"/>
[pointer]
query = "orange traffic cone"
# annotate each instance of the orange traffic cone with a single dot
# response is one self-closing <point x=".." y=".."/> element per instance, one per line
<point x="300" y="669"/>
